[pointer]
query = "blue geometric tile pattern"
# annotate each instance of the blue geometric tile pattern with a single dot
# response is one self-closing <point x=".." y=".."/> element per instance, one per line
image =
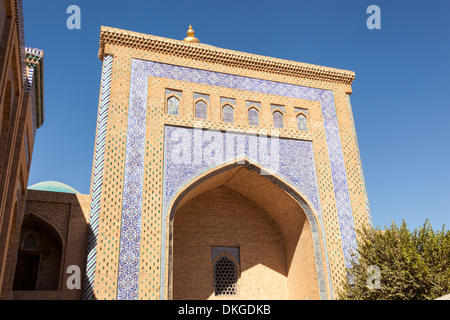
<point x="233" y="251"/>
<point x="291" y="159"/>
<point x="130" y="237"/>
<point x="130" y="234"/>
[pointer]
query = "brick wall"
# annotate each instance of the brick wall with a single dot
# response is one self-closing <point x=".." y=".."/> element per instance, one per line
<point x="61" y="222"/>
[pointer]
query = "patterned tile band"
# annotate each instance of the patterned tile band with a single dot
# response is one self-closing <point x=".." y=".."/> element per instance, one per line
<point x="138" y="99"/>
<point x="233" y="251"/>
<point x="130" y="233"/>
<point x="97" y="176"/>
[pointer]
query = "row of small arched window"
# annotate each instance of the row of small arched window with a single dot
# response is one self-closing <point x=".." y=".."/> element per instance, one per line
<point x="201" y="112"/>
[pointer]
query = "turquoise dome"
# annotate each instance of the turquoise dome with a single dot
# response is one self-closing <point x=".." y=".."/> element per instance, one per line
<point x="54" y="186"/>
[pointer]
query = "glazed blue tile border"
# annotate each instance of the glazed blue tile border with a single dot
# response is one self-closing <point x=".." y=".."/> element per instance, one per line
<point x="233" y="251"/>
<point x="131" y="213"/>
<point x="130" y="233"/>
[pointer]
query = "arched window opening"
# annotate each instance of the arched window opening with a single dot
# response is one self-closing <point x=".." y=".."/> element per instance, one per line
<point x="173" y="106"/>
<point x="201" y="110"/>
<point x="228" y="113"/>
<point x="302" y="123"/>
<point x="253" y="117"/>
<point x="225" y="277"/>
<point x="278" y="119"/>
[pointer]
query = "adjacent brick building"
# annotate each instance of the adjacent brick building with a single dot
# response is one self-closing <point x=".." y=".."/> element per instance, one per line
<point x="21" y="114"/>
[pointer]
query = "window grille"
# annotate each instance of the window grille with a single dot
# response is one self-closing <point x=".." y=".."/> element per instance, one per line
<point x="228" y="114"/>
<point x="30" y="242"/>
<point x="301" y="123"/>
<point x="201" y="110"/>
<point x="253" y="117"/>
<point x="278" y="119"/>
<point x="173" y="106"/>
<point x="225" y="277"/>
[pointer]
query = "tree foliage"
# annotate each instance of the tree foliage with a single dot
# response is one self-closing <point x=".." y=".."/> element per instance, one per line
<point x="412" y="265"/>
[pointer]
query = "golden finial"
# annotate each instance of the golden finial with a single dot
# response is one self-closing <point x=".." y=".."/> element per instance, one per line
<point x="190" y="36"/>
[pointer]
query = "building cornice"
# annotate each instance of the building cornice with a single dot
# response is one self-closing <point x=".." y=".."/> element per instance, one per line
<point x="226" y="57"/>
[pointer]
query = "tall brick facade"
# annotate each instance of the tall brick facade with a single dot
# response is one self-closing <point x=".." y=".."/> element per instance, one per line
<point x="200" y="150"/>
<point x="216" y="174"/>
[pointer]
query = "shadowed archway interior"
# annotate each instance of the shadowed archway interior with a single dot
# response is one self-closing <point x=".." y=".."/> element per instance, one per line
<point x="38" y="266"/>
<point x="237" y="207"/>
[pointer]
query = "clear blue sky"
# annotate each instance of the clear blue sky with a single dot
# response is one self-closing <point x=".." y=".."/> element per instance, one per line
<point x="400" y="97"/>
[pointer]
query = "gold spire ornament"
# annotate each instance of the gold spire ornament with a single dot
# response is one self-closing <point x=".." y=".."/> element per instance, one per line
<point x="190" y="36"/>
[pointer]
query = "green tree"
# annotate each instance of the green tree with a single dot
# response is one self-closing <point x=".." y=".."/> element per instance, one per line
<point x="412" y="265"/>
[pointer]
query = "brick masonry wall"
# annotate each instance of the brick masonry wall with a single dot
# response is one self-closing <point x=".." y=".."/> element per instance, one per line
<point x="64" y="216"/>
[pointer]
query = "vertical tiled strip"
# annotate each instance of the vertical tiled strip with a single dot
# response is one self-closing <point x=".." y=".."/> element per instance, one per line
<point x="97" y="176"/>
<point x="339" y="176"/>
<point x="355" y="141"/>
<point x="130" y="233"/>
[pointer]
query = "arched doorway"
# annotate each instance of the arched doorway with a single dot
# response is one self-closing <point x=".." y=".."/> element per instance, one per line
<point x="254" y="220"/>
<point x="39" y="256"/>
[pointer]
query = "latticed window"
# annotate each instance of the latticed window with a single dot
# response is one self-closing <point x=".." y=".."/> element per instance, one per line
<point x="301" y="123"/>
<point x="30" y="242"/>
<point x="228" y="113"/>
<point x="253" y="117"/>
<point x="173" y="105"/>
<point x="201" y="110"/>
<point x="278" y="119"/>
<point x="225" y="277"/>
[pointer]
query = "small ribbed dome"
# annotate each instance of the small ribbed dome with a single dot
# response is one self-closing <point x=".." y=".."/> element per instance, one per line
<point x="54" y="186"/>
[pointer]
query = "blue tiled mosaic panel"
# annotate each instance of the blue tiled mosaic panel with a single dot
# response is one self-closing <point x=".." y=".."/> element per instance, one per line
<point x="130" y="233"/>
<point x="291" y="159"/>
<point x="232" y="251"/>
